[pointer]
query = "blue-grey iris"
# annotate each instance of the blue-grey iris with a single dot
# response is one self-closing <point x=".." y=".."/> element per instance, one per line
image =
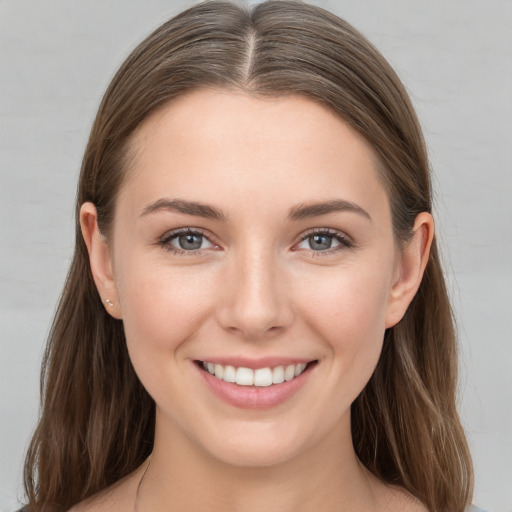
<point x="190" y="242"/>
<point x="320" y="242"/>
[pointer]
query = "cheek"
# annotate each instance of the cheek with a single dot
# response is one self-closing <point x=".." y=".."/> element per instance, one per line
<point x="348" y="313"/>
<point x="162" y="310"/>
<point x="161" y="306"/>
<point x="347" y="300"/>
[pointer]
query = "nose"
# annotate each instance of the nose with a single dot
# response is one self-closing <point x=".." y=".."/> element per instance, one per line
<point x="256" y="301"/>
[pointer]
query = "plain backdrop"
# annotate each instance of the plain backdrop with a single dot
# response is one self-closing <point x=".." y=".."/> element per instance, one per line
<point x="454" y="56"/>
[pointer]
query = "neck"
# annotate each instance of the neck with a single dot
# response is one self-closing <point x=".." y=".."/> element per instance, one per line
<point x="326" y="477"/>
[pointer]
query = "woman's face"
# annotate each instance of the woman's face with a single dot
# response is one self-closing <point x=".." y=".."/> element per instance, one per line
<point x="254" y="234"/>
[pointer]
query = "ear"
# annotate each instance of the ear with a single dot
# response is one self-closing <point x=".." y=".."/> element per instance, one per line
<point x="100" y="259"/>
<point x="410" y="268"/>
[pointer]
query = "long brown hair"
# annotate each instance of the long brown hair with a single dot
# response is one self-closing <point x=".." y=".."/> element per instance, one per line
<point x="97" y="421"/>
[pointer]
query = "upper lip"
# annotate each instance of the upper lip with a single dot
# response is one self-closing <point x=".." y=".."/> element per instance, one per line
<point x="263" y="362"/>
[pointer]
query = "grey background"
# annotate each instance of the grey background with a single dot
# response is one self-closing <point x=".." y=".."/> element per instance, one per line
<point x="455" y="57"/>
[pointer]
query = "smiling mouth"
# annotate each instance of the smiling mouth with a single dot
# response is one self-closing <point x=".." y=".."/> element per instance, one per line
<point x="259" y="377"/>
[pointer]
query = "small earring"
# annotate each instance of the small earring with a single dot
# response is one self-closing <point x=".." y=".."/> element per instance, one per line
<point x="109" y="302"/>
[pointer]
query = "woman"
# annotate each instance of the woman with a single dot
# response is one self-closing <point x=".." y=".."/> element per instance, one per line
<point x="255" y="315"/>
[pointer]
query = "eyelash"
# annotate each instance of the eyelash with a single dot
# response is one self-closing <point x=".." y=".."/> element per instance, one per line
<point x="165" y="241"/>
<point x="344" y="241"/>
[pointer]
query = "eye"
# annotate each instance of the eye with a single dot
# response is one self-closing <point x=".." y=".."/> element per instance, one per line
<point x="189" y="242"/>
<point x="186" y="240"/>
<point x="324" y="241"/>
<point x="318" y="242"/>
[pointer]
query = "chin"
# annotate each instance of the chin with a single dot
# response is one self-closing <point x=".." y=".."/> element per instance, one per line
<point x="254" y="455"/>
<point x="257" y="445"/>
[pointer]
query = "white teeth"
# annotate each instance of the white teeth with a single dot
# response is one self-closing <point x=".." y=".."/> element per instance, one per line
<point x="299" y="369"/>
<point x="289" y="373"/>
<point x="229" y="374"/>
<point x="278" y="375"/>
<point x="219" y="371"/>
<point x="261" y="377"/>
<point x="244" y="376"/>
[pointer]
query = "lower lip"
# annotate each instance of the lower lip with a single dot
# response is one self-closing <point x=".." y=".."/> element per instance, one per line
<point x="255" y="397"/>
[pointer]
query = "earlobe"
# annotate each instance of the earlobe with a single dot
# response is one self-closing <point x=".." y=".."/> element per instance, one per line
<point x="100" y="259"/>
<point x="411" y="266"/>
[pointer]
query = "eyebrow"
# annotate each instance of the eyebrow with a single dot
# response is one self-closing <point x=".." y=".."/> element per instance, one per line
<point x="186" y="207"/>
<point x="304" y="211"/>
<point x="298" y="212"/>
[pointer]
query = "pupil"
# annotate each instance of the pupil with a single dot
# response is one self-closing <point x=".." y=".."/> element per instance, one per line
<point x="190" y="242"/>
<point x="320" y="242"/>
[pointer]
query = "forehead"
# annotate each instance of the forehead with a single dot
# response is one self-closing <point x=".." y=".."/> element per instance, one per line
<point x="211" y="143"/>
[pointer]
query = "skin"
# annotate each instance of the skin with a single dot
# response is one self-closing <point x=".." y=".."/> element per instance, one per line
<point x="256" y="288"/>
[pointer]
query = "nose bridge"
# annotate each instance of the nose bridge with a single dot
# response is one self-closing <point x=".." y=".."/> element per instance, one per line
<point x="257" y="303"/>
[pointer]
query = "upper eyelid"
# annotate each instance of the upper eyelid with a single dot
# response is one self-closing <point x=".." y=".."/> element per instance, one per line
<point x="165" y="241"/>
<point x="330" y="231"/>
<point x="326" y="231"/>
<point x="179" y="231"/>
